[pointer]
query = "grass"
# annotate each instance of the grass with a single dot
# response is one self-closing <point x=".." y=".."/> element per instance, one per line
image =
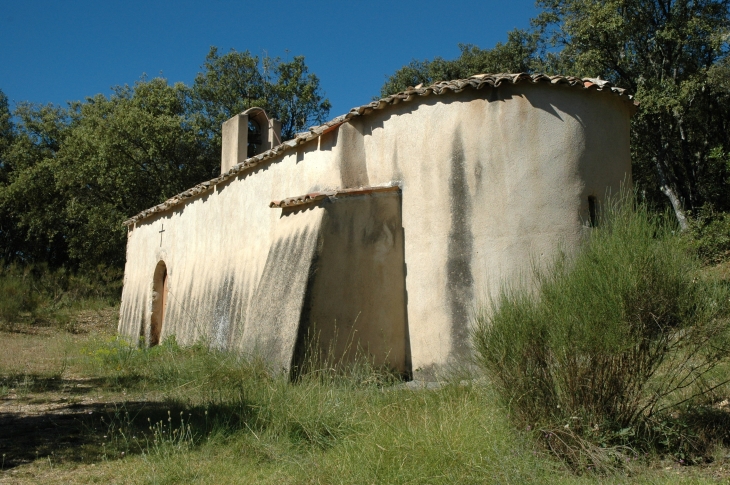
<point x="82" y="408"/>
<point x="621" y="350"/>
<point x="79" y="406"/>
<point x="36" y="296"/>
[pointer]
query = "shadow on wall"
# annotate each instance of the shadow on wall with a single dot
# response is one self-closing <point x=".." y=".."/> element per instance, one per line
<point x="354" y="307"/>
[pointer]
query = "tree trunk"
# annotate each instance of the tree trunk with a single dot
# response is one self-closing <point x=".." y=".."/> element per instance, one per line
<point x="672" y="196"/>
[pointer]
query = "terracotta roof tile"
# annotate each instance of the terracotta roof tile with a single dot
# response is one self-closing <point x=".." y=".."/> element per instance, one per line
<point x="334" y="194"/>
<point x="479" y="81"/>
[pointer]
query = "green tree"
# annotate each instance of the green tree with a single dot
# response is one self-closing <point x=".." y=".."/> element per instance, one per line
<point x="6" y="131"/>
<point x="123" y="154"/>
<point x="673" y="55"/>
<point x="31" y="224"/>
<point x="235" y="81"/>
<point x="7" y="225"/>
<point x="294" y="97"/>
<point x="518" y="54"/>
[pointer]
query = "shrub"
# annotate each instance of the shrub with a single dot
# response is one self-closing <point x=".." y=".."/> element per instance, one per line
<point x="710" y="235"/>
<point x="613" y="344"/>
<point x="64" y="288"/>
<point x="50" y="295"/>
<point x="16" y="296"/>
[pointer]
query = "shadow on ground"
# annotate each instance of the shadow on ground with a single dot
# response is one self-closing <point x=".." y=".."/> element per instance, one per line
<point x="58" y="429"/>
<point x="68" y="433"/>
<point x="27" y="384"/>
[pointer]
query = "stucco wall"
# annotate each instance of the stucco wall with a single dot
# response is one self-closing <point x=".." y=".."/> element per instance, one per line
<point x="491" y="180"/>
<point x="356" y="300"/>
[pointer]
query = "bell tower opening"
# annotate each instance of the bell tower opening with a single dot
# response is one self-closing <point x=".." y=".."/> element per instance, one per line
<point x="246" y="135"/>
<point x="254" y="138"/>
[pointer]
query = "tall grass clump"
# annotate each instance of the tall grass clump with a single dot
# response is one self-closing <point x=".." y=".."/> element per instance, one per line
<point x="16" y="296"/>
<point x="38" y="294"/>
<point x="226" y="393"/>
<point x="619" y="349"/>
<point x="710" y="235"/>
<point x="232" y="419"/>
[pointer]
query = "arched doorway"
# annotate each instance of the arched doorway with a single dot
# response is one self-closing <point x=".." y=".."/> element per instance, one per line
<point x="159" y="303"/>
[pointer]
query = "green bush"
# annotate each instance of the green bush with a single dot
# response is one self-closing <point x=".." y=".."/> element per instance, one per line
<point x="16" y="296"/>
<point x="613" y="345"/>
<point x="37" y="294"/>
<point x="710" y="235"/>
<point x="63" y="288"/>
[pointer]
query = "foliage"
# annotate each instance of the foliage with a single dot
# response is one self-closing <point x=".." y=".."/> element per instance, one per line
<point x="673" y="55"/>
<point x="515" y="55"/>
<point x="710" y="235"/>
<point x="6" y="131"/>
<point x="123" y="154"/>
<point x="7" y="135"/>
<point x="36" y="295"/>
<point x="70" y="176"/>
<point x="31" y="225"/>
<point x="74" y="175"/>
<point x="233" y="82"/>
<point x="614" y="345"/>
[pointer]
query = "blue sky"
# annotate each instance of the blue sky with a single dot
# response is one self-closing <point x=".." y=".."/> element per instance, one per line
<point x="58" y="51"/>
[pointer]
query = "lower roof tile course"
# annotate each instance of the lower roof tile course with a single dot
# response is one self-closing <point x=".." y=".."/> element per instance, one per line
<point x="334" y="194"/>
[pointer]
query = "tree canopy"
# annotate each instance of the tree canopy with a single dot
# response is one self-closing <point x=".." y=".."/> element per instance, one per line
<point x="69" y="176"/>
<point x="233" y="82"/>
<point x="672" y="54"/>
<point x="518" y="54"/>
<point x="30" y="224"/>
<point x="123" y="154"/>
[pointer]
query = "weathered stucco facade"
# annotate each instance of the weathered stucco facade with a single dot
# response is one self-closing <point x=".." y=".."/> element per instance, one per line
<point x="418" y="207"/>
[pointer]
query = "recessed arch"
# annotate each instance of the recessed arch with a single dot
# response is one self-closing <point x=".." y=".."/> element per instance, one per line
<point x="159" y="303"/>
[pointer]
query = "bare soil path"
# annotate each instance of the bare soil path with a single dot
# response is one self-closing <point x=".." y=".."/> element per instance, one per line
<point x="48" y="408"/>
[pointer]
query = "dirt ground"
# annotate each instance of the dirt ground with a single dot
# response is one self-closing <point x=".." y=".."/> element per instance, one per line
<point x="54" y="417"/>
<point x="47" y="408"/>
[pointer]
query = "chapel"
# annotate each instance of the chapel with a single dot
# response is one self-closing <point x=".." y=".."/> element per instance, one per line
<point x="381" y="231"/>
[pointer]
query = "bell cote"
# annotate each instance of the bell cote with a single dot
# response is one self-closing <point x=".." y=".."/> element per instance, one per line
<point x="246" y="135"/>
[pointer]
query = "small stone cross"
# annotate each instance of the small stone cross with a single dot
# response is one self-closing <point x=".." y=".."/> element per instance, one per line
<point x="161" y="231"/>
